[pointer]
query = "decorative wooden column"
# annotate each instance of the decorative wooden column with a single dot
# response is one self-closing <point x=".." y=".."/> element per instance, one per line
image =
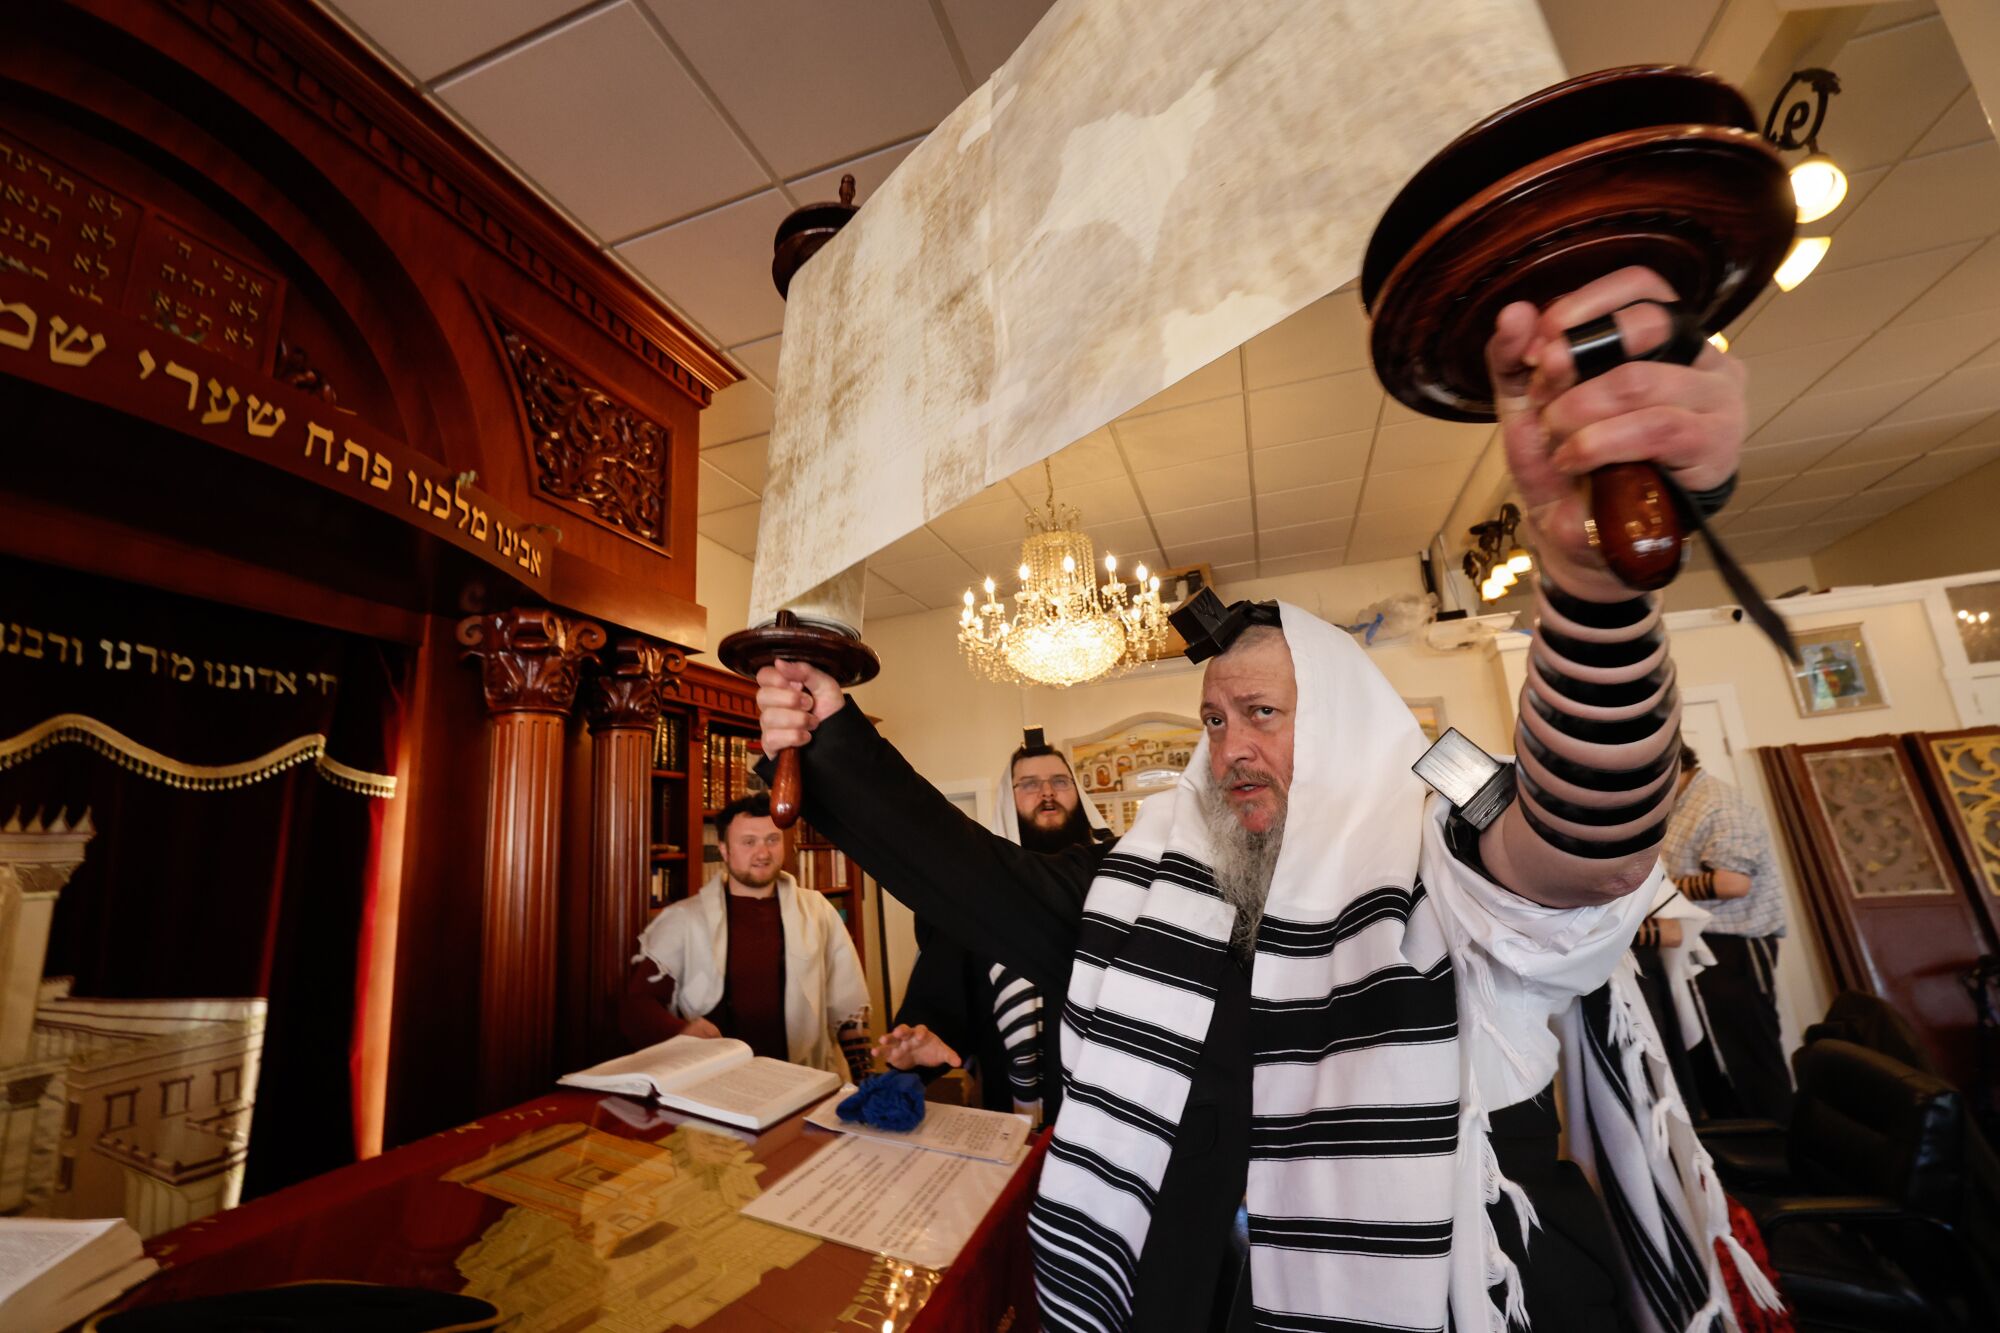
<point x="625" y="699"/>
<point x="528" y="660"/>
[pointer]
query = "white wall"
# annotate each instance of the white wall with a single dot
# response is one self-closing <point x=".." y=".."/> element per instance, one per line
<point x="722" y="584"/>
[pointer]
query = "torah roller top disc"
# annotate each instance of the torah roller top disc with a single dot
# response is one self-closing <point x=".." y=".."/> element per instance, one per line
<point x="1657" y="166"/>
<point x="1651" y="166"/>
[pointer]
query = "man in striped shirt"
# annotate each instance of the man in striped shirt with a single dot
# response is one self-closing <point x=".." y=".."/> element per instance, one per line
<point x="1596" y="741"/>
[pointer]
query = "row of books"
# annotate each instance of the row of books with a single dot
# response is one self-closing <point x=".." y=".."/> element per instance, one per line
<point x="660" y="887"/>
<point x="726" y="768"/>
<point x="825" y="870"/>
<point x="669" y="740"/>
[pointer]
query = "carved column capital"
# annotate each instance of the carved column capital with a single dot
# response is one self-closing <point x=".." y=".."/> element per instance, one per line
<point x="529" y="657"/>
<point x="635" y="677"/>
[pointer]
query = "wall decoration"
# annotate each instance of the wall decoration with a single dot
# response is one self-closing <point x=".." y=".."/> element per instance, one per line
<point x="1836" y="673"/>
<point x="1119" y="767"/>
<point x="1430" y="716"/>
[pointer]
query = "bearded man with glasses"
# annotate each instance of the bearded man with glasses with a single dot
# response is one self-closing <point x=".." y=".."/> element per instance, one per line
<point x="960" y="1006"/>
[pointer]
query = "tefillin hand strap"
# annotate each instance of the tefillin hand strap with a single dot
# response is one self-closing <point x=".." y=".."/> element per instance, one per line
<point x="1209" y="627"/>
<point x="1597" y="347"/>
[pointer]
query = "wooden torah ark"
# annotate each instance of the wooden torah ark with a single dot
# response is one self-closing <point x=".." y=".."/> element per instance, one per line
<point x="1654" y="166"/>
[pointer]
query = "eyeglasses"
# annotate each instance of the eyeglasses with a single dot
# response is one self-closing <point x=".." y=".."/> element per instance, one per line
<point x="1030" y="786"/>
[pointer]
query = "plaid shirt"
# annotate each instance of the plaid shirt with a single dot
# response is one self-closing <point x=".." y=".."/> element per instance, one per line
<point x="1714" y="827"/>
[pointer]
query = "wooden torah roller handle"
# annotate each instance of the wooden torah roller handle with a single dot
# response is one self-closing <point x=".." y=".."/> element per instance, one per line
<point x="1656" y="166"/>
<point x="842" y="656"/>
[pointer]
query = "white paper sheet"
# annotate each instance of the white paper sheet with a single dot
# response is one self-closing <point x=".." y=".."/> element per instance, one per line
<point x="886" y="1198"/>
<point x="968" y="1131"/>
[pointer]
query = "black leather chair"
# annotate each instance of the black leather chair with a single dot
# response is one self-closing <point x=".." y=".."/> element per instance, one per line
<point x="1864" y="1234"/>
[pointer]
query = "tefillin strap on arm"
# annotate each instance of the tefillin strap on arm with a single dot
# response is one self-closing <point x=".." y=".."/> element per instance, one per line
<point x="1210" y="627"/>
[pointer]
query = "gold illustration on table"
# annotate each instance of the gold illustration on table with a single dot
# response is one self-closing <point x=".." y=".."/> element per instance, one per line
<point x="619" y="1235"/>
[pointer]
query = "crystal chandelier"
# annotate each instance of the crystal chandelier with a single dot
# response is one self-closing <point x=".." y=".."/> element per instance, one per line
<point x="1066" y="629"/>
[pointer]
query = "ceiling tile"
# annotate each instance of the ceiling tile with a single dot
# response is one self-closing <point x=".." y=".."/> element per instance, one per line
<point x="1964" y="124"/>
<point x="1219" y="378"/>
<point x="1182" y="435"/>
<point x="1225" y="575"/>
<point x="1311" y="462"/>
<point x="1846" y="302"/>
<point x="813" y="84"/>
<point x="1592" y="36"/>
<point x="1299" y="538"/>
<point x="1833" y="483"/>
<point x="1110" y="500"/>
<point x="976" y="525"/>
<point x="1092" y="458"/>
<point x="1926" y="201"/>
<point x="1368" y="550"/>
<point x="988" y="33"/>
<point x="1918" y="350"/>
<point x="601" y="115"/>
<point x="1751" y="492"/>
<point x="1776" y="378"/>
<point x="1409" y="444"/>
<point x="733" y="528"/>
<point x="719" y="492"/>
<point x="1330" y="405"/>
<point x="717" y="267"/>
<point x="1328" y="337"/>
<point x="1191" y="484"/>
<point x="760" y="358"/>
<point x="1308" y="504"/>
<point x="1179" y="527"/>
<point x="1973" y="285"/>
<point x="1778" y="517"/>
<point x="1874" y="503"/>
<point x="1945" y="465"/>
<point x="870" y="173"/>
<point x="742" y="462"/>
<point x="923" y="544"/>
<point x="431" y="39"/>
<point x="1893" y="86"/>
<point x="896" y="604"/>
<point x="1304" y="563"/>
<point x="1843" y="410"/>
<point x="1762" y="463"/>
<point x="1905" y="440"/>
<point x="1975" y="388"/>
<point x="936" y="579"/>
<point x="1413" y="525"/>
<point x="738" y="412"/>
<point x="1435" y="486"/>
<point x="1879" y="17"/>
<point x="876" y="586"/>
<point x="1231" y="550"/>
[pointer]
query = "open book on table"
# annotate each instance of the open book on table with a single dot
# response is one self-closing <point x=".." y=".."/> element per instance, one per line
<point x="54" y="1271"/>
<point x="717" y="1077"/>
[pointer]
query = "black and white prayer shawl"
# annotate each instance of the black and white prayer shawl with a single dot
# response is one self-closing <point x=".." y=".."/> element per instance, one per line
<point x="1017" y="1001"/>
<point x="1370" y="1170"/>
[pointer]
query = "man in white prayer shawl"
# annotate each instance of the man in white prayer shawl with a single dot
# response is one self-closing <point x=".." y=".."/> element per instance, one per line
<point x="1313" y="1017"/>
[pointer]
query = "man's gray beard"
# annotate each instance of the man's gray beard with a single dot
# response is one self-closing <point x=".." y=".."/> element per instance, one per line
<point x="1243" y="862"/>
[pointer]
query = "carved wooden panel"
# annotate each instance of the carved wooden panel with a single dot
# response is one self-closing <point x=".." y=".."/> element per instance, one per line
<point x="586" y="449"/>
<point x="1968" y="771"/>
<point x="1879" y="833"/>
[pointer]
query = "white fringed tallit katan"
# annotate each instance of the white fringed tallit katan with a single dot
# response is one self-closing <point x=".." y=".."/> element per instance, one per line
<point x="1397" y="998"/>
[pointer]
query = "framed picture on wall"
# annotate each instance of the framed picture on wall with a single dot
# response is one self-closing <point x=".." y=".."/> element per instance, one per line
<point x="1430" y="716"/>
<point x="1836" y="673"/>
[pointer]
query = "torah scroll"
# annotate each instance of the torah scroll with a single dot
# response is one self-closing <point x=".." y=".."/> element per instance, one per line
<point x="1143" y="186"/>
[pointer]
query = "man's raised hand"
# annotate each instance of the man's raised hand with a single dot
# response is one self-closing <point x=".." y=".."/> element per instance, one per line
<point x="792" y="699"/>
<point x="1689" y="420"/>
<point x="906" y="1047"/>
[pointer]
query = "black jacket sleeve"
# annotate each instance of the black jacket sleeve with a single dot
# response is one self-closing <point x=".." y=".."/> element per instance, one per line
<point x="996" y="900"/>
<point x="938" y="997"/>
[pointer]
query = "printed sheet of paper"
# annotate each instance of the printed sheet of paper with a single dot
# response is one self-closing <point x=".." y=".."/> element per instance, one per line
<point x="886" y="1198"/>
<point x="1143" y="186"/>
<point x="968" y="1131"/>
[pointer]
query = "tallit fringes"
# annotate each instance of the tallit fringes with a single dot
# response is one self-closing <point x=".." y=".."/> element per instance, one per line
<point x="1760" y="1288"/>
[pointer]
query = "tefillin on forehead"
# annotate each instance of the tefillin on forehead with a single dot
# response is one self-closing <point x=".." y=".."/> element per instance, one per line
<point x="1210" y="627"/>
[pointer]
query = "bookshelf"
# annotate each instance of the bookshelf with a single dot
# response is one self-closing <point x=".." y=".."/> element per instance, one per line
<point x="704" y="748"/>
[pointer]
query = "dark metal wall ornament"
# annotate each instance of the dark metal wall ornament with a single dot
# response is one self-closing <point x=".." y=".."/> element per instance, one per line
<point x="1809" y="105"/>
<point x="586" y="449"/>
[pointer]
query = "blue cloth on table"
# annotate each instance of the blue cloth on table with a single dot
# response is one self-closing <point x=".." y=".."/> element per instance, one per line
<point x="894" y="1100"/>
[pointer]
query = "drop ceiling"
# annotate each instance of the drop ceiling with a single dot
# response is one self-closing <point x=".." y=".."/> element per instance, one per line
<point x="676" y="134"/>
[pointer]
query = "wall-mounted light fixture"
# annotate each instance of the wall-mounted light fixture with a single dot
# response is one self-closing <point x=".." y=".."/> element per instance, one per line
<point x="1497" y="560"/>
<point x="1818" y="183"/>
